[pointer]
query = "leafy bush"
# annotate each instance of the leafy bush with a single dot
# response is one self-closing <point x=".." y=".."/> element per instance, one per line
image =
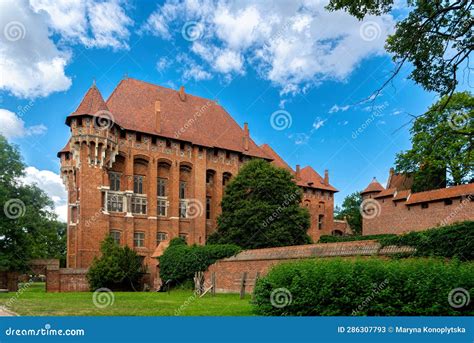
<point x="261" y="209"/>
<point x="335" y="239"/>
<point x="180" y="262"/>
<point x="453" y="241"/>
<point x="375" y="287"/>
<point x="119" y="268"/>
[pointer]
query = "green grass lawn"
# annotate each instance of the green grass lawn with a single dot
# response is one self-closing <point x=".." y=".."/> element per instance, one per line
<point x="34" y="301"/>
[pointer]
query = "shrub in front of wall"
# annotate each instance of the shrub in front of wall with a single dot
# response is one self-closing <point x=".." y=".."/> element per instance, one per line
<point x="119" y="268"/>
<point x="453" y="241"/>
<point x="180" y="262"/>
<point x="373" y="287"/>
<point x="335" y="239"/>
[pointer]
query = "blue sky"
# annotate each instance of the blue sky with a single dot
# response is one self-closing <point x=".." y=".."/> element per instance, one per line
<point x="256" y="59"/>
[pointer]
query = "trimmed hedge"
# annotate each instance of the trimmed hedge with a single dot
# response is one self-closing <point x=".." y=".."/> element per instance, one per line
<point x="453" y="241"/>
<point x="335" y="239"/>
<point x="374" y="287"/>
<point x="180" y="262"/>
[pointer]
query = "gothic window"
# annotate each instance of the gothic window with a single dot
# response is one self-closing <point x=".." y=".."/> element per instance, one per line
<point x="208" y="207"/>
<point x="138" y="184"/>
<point x="162" y="187"/>
<point x="114" y="179"/>
<point x="182" y="190"/>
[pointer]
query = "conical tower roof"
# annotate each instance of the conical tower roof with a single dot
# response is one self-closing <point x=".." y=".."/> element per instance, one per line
<point x="373" y="187"/>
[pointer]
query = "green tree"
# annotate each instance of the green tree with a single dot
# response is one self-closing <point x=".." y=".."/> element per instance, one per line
<point x="350" y="209"/>
<point x="28" y="225"/>
<point x="118" y="268"/>
<point x="435" y="37"/>
<point x="442" y="144"/>
<point x="261" y="208"/>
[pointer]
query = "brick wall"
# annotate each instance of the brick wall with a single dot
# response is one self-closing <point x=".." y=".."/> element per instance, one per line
<point x="252" y="263"/>
<point x="397" y="217"/>
<point x="66" y="280"/>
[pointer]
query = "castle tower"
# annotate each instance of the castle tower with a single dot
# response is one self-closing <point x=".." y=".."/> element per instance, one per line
<point x="92" y="148"/>
<point x="372" y="189"/>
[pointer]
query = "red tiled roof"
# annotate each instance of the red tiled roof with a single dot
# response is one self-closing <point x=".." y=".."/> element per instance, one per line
<point x="401" y="195"/>
<point x="374" y="186"/>
<point x="92" y="103"/>
<point x="310" y="178"/>
<point x="277" y="160"/>
<point x="197" y="120"/>
<point x="65" y="148"/>
<point x="442" y="193"/>
<point x="386" y="193"/>
<point x="400" y="181"/>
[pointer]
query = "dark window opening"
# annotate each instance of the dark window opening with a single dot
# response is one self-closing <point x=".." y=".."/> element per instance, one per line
<point x="448" y="201"/>
<point x="424" y="205"/>
<point x="123" y="134"/>
<point x="153" y="140"/>
<point x="208" y="208"/>
<point x="138" y="137"/>
<point x="168" y="143"/>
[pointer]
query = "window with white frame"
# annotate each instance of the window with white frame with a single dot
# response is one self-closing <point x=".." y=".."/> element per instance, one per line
<point x="138" y="205"/>
<point x="162" y="206"/>
<point x="114" y="202"/>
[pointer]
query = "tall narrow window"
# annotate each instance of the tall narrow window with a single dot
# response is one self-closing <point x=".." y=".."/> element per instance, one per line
<point x="320" y="221"/>
<point x="208" y="208"/>
<point x="161" y="187"/>
<point x="138" y="184"/>
<point x="182" y="190"/>
<point x="114" y="179"/>
<point x="139" y="239"/>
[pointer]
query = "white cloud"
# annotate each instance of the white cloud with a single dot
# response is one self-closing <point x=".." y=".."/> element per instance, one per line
<point x="299" y="138"/>
<point x="52" y="184"/>
<point x="337" y="108"/>
<point x="94" y="24"/>
<point x="295" y="45"/>
<point x="30" y="63"/>
<point x="12" y="126"/>
<point x="318" y="123"/>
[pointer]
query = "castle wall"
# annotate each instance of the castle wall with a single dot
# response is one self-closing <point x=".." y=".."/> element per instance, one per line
<point x="95" y="152"/>
<point x="397" y="217"/>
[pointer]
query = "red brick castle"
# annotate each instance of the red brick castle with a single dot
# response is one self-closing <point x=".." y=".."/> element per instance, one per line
<point x="151" y="163"/>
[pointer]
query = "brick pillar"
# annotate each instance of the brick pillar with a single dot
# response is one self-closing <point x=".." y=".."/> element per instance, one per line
<point x="12" y="281"/>
<point x="218" y="192"/>
<point x="199" y="174"/>
<point x="52" y="280"/>
<point x="173" y="194"/>
<point x="152" y="188"/>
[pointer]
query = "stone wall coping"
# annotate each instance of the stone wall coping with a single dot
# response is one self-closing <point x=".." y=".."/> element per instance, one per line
<point x="73" y="270"/>
<point x="353" y="248"/>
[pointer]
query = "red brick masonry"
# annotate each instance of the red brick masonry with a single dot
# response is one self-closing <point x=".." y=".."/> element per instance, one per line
<point x="229" y="271"/>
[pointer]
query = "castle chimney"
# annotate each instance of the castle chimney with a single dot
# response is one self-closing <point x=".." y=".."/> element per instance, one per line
<point x="298" y="172"/>
<point x="246" y="136"/>
<point x="182" y="94"/>
<point x="326" y="177"/>
<point x="158" y="115"/>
